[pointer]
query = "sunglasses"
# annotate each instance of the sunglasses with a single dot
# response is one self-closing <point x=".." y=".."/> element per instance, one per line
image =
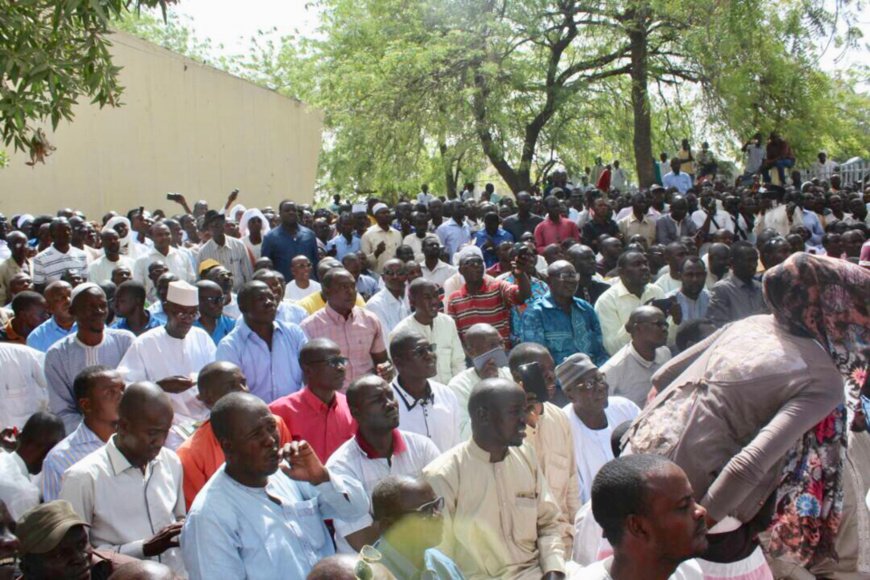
<point x="598" y="382"/>
<point x="432" y="508"/>
<point x="333" y="361"/>
<point x="422" y="350"/>
<point x="213" y="299"/>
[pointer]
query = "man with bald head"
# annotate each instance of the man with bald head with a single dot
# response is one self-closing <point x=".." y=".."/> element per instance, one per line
<point x="59" y="257"/>
<point x="341" y="567"/>
<point x="144" y="570"/>
<point x="92" y="344"/>
<point x="561" y="322"/>
<point x="251" y="522"/>
<point x="317" y="300"/>
<point x="176" y="262"/>
<point x="211" y="311"/>
<point x="130" y="492"/>
<point x="61" y="324"/>
<point x="201" y="454"/>
<point x="501" y="520"/>
<point x="629" y="372"/>
<point x="391" y="305"/>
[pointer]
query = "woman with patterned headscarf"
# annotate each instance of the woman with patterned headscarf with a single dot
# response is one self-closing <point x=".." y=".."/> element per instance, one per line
<point x="755" y="416"/>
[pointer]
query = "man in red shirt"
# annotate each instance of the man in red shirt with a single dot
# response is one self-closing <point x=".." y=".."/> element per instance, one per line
<point x="319" y="413"/>
<point x="485" y="299"/>
<point x="555" y="228"/>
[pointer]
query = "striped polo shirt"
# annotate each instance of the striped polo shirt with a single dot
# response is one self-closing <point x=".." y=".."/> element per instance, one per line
<point x="50" y="264"/>
<point x="490" y="305"/>
<point x="64" y="455"/>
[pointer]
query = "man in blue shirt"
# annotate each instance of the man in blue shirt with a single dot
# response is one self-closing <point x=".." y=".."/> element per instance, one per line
<point x="346" y="242"/>
<point x="410" y="521"/>
<point x="61" y="324"/>
<point x="454" y="233"/>
<point x="292" y="239"/>
<point x="489" y="238"/>
<point x="677" y="178"/>
<point x="562" y="322"/>
<point x="211" y="311"/>
<point x="250" y="521"/>
<point x="267" y="351"/>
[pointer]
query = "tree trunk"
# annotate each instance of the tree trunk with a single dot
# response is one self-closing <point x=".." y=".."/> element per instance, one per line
<point x="643" y="155"/>
<point x="449" y="179"/>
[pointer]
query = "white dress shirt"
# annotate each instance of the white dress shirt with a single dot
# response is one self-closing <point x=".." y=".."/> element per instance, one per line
<point x="124" y="505"/>
<point x="435" y="416"/>
<point x="721" y="221"/>
<point x="23" y="390"/>
<point x="100" y="270"/>
<point x="443" y="334"/>
<point x="295" y="293"/>
<point x="613" y="309"/>
<point x="439" y="274"/>
<point x="177" y="263"/>
<point x="389" y="310"/>
<point x="17" y="490"/>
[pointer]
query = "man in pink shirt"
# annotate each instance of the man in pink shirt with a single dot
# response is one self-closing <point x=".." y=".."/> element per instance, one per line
<point x="555" y="228"/>
<point x="319" y="412"/>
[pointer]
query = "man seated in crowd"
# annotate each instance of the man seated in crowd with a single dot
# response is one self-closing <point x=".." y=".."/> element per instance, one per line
<point x="500" y="518"/>
<point x="171" y="355"/>
<point x="378" y="449"/>
<point x="738" y="295"/>
<point x="675" y="224"/>
<point x="390" y="305"/>
<point x="549" y="432"/>
<point x="426" y="407"/>
<point x="717" y="260"/>
<point x="319" y="413"/>
<point x="301" y="285"/>
<point x="61" y="324"/>
<point x="130" y="309"/>
<point x="588" y="288"/>
<point x="287" y="310"/>
<point x="638" y="222"/>
<point x="17" y="490"/>
<point x="675" y="253"/>
<point x="201" y="455"/>
<point x="560" y="321"/>
<point x="211" y="311"/>
<point x="97" y="391"/>
<point x="128" y="512"/>
<point x="92" y="344"/>
<point x="629" y="372"/>
<point x="692" y="297"/>
<point x="410" y="523"/>
<point x="356" y="331"/>
<point x="593" y="415"/>
<point x="438" y="328"/>
<point x="29" y="310"/>
<point x="267" y="351"/>
<point x="251" y="522"/>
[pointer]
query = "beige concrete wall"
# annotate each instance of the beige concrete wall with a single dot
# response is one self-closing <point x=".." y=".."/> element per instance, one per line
<point x="184" y="128"/>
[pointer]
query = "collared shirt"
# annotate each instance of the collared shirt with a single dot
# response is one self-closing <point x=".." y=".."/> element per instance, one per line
<point x="315" y="302"/>
<point x="175" y="261"/>
<point x="631" y="226"/>
<point x="153" y="322"/>
<point x="269" y="533"/>
<point x="681" y="181"/>
<point x="46" y="334"/>
<point x="281" y="247"/>
<point x="442" y="333"/>
<point x="75" y="447"/>
<point x="68" y="357"/>
<point x="812" y="223"/>
<point x="224" y="326"/>
<point x="722" y="220"/>
<point x="389" y="310"/>
<point x="155" y="355"/>
<point x="295" y="293"/>
<point x="425" y="198"/>
<point x="17" y="491"/>
<point x="592" y="446"/>
<point x="359" y="336"/>
<point x="500" y="519"/>
<point x="669" y="230"/>
<point x="156" y="312"/>
<point x="342" y="246"/>
<point x="50" y="264"/>
<point x="233" y="256"/>
<point x="613" y="309"/>
<point x="629" y="375"/>
<point x="692" y="309"/>
<point x="366" y="287"/>
<point x="201" y="456"/>
<point x="324" y="427"/>
<point x="453" y="236"/>
<point x="563" y="334"/>
<point x="124" y="506"/>
<point x="272" y="371"/>
<point x="517" y="227"/>
<point x="356" y="460"/>
<point x="415" y="242"/>
<point x="287" y="312"/>
<point x="482" y="237"/>
<point x="733" y="299"/>
<point x="490" y="305"/>
<point x="8" y="269"/>
<point x="439" y="274"/>
<point x="777" y="219"/>
<point x="593" y="230"/>
<point x="435" y="564"/>
<point x="462" y="385"/>
<point x="372" y="239"/>
<point x="435" y="415"/>
<point x="554" y="232"/>
<point x="100" y="270"/>
<point x="23" y="389"/>
<point x="667" y="283"/>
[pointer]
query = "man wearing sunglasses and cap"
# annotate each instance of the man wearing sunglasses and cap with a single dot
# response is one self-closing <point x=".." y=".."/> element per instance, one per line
<point x="380" y="241"/>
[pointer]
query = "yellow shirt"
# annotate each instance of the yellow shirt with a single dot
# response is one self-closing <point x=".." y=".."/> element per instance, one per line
<point x="613" y="309"/>
<point x="8" y="269"/>
<point x="500" y="519"/>
<point x="314" y="302"/>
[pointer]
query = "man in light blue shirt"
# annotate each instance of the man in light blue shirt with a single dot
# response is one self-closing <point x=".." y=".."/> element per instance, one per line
<point x="267" y="351"/>
<point x="60" y="325"/>
<point x="346" y="242"/>
<point x="677" y="178"/>
<point x="250" y="521"/>
<point x="455" y="232"/>
<point x="692" y="297"/>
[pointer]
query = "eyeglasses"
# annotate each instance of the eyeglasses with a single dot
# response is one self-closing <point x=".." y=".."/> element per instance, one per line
<point x="213" y="299"/>
<point x="422" y="349"/>
<point x="395" y="273"/>
<point x="333" y="361"/>
<point x="597" y="382"/>
<point x="659" y="323"/>
<point x="432" y="508"/>
<point x="567" y="276"/>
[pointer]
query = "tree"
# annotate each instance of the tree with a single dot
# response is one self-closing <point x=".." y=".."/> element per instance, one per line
<point x="52" y="53"/>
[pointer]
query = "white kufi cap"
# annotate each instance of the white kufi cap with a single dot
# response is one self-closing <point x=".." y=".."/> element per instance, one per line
<point x="183" y="294"/>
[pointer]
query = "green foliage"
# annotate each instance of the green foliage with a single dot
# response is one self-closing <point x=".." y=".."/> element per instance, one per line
<point x="52" y="53"/>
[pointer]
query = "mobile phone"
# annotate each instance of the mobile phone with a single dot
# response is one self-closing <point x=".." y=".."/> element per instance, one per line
<point x="532" y="376"/>
<point x="663" y="304"/>
<point x="496" y="354"/>
<point x="171" y="196"/>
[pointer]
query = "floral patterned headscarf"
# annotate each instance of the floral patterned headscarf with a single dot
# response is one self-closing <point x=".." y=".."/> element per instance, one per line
<point x="826" y="299"/>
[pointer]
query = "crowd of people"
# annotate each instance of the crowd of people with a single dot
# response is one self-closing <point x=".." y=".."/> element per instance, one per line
<point x="583" y="384"/>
